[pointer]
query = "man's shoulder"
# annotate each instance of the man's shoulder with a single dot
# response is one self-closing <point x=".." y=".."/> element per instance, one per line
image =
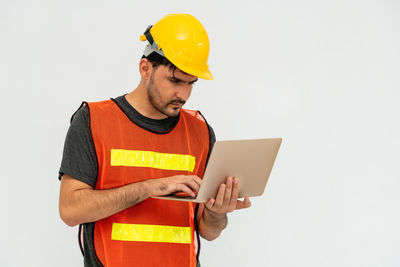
<point x="195" y="114"/>
<point x="106" y="102"/>
<point x="108" y="106"/>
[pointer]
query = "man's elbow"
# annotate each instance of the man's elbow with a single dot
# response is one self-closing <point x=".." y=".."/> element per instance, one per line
<point x="67" y="217"/>
<point x="210" y="235"/>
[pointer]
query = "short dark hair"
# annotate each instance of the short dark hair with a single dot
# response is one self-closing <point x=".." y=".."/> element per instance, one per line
<point x="157" y="60"/>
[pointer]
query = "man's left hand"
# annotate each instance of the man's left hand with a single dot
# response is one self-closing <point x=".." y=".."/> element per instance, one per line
<point x="227" y="198"/>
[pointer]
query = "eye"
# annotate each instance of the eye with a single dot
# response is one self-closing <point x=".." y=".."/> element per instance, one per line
<point x="175" y="81"/>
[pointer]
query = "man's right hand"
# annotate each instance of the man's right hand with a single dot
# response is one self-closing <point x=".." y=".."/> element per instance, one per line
<point x="178" y="183"/>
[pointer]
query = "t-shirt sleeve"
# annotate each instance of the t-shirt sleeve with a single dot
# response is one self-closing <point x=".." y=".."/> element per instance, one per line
<point x="212" y="139"/>
<point x="212" y="136"/>
<point x="79" y="158"/>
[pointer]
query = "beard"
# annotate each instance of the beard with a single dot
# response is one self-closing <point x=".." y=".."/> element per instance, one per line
<point x="169" y="108"/>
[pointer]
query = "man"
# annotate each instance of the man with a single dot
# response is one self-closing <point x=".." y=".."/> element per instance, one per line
<point x="121" y="152"/>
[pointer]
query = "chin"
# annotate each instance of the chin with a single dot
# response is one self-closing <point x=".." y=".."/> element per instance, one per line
<point x="173" y="112"/>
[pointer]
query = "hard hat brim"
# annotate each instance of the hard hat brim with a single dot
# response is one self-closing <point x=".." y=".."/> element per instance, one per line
<point x="206" y="75"/>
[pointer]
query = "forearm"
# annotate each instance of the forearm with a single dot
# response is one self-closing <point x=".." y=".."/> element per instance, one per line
<point x="80" y="203"/>
<point x="211" y="224"/>
<point x="88" y="205"/>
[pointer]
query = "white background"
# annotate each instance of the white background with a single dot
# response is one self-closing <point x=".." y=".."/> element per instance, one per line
<point x="324" y="75"/>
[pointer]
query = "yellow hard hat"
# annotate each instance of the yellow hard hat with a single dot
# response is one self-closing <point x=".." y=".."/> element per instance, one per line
<point x="182" y="40"/>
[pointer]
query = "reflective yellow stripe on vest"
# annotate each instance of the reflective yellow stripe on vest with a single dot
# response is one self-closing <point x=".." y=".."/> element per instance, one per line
<point x="151" y="159"/>
<point x="151" y="233"/>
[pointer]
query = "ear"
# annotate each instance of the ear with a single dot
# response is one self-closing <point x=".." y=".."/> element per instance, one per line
<point x="145" y="68"/>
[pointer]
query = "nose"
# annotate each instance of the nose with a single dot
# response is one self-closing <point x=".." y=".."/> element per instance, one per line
<point x="184" y="91"/>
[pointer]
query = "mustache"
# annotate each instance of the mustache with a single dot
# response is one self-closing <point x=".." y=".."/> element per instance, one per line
<point x="177" y="101"/>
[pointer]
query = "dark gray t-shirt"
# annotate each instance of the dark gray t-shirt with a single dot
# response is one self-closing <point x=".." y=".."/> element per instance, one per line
<point x="79" y="157"/>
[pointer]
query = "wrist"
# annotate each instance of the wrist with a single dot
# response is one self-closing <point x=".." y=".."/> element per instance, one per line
<point x="148" y="188"/>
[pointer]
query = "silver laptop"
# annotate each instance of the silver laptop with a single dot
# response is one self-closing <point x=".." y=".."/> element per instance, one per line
<point x="250" y="161"/>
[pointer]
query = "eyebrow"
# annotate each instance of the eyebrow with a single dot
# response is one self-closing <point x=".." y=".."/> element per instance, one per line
<point x="179" y="80"/>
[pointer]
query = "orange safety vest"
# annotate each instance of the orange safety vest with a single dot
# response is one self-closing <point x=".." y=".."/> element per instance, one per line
<point x="154" y="232"/>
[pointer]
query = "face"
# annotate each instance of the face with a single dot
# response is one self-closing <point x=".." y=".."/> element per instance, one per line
<point x="169" y="90"/>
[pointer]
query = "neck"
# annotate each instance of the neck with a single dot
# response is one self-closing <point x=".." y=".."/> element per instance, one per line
<point x="139" y="100"/>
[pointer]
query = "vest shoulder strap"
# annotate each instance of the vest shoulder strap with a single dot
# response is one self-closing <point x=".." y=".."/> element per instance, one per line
<point x="195" y="114"/>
